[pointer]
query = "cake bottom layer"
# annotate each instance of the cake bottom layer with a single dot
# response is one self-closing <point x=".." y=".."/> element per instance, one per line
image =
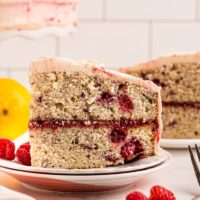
<point x="88" y="147"/>
<point x="181" y="122"/>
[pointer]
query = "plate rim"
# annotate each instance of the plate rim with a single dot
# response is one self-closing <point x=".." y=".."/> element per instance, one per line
<point x="93" y="171"/>
<point x="138" y="172"/>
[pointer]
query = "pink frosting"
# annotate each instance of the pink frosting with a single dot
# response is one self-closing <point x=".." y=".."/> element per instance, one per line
<point x="165" y="60"/>
<point x="26" y="14"/>
<point x="90" y="67"/>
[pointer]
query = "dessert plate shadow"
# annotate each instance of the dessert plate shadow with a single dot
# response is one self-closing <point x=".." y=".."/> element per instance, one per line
<point x="140" y="164"/>
<point x="178" y="143"/>
<point x="80" y="183"/>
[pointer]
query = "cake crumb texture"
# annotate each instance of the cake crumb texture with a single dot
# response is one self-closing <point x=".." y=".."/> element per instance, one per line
<point x="179" y="77"/>
<point x="77" y="148"/>
<point x="84" y="116"/>
<point x="79" y="96"/>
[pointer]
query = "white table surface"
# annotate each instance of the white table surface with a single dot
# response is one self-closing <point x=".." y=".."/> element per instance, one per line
<point x="178" y="177"/>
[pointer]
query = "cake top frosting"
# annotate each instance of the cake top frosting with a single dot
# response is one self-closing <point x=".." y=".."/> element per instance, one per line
<point x="90" y="67"/>
<point x="165" y="60"/>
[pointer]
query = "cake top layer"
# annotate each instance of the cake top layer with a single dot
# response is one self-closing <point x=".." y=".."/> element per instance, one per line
<point x="89" y="67"/>
<point x="166" y="60"/>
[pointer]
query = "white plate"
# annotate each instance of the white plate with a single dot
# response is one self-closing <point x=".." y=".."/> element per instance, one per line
<point x="78" y="183"/>
<point x="130" y="166"/>
<point x="178" y="143"/>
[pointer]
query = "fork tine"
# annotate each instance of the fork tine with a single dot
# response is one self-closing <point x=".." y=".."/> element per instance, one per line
<point x="198" y="152"/>
<point x="196" y="169"/>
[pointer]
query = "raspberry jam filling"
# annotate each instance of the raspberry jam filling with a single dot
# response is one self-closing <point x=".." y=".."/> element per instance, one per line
<point x="183" y="104"/>
<point x="118" y="125"/>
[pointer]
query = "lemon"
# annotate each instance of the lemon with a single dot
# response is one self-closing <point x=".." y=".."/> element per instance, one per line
<point x="14" y="108"/>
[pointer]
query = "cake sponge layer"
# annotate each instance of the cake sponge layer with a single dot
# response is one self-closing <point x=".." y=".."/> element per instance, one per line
<point x="90" y="147"/>
<point x="181" y="122"/>
<point x="78" y="96"/>
<point x="177" y="75"/>
<point x="179" y="81"/>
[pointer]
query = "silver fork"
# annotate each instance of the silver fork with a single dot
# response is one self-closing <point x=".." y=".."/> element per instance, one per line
<point x="195" y="166"/>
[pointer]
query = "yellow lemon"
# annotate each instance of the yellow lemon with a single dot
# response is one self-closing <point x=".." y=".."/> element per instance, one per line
<point x="14" y="108"/>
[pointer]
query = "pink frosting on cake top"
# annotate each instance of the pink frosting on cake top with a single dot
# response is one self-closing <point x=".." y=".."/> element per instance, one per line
<point x="165" y="60"/>
<point x="89" y="67"/>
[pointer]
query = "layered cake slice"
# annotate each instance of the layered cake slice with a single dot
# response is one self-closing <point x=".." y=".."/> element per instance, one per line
<point x="34" y="14"/>
<point x="84" y="116"/>
<point x="179" y="77"/>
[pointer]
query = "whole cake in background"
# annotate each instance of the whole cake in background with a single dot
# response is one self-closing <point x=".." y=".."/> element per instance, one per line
<point x="34" y="14"/>
<point x="179" y="77"/>
<point x="84" y="116"/>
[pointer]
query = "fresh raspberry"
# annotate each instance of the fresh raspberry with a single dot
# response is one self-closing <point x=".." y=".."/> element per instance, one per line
<point x="136" y="196"/>
<point x="23" y="154"/>
<point x="125" y="103"/>
<point x="7" y="149"/>
<point x="160" y="193"/>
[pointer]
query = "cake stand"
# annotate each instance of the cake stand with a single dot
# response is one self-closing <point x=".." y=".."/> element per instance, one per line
<point x="38" y="33"/>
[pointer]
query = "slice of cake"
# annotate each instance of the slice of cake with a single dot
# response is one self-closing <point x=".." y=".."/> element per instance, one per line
<point x="33" y="14"/>
<point x="84" y="116"/>
<point x="179" y="77"/>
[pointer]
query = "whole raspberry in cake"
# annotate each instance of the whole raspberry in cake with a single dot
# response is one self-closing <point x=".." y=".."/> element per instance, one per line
<point x="125" y="103"/>
<point x="131" y="149"/>
<point x="118" y="135"/>
<point x="7" y="149"/>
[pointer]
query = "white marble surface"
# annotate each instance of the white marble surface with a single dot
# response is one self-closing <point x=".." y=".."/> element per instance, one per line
<point x="178" y="177"/>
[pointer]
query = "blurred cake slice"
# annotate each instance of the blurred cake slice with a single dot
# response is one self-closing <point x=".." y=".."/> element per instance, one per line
<point x="84" y="116"/>
<point x="34" y="14"/>
<point x="179" y="77"/>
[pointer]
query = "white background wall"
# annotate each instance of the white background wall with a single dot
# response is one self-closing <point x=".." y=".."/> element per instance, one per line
<point x="117" y="32"/>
